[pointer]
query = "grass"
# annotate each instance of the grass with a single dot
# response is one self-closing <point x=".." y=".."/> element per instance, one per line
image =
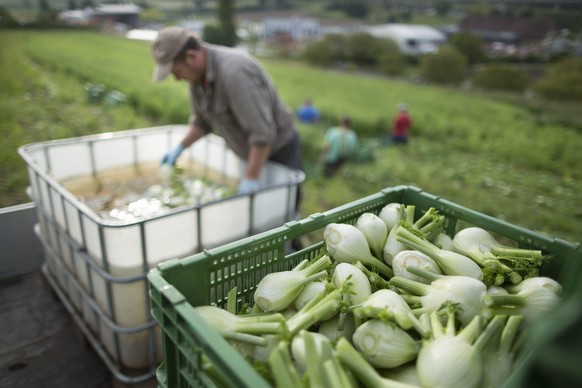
<point x="496" y="155"/>
<point x="37" y="104"/>
<point x="536" y="199"/>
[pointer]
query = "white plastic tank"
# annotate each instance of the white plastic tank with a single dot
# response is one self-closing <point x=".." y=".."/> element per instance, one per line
<point x="108" y="260"/>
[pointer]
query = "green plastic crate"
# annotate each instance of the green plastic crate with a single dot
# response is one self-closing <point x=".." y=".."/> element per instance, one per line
<point x="179" y="285"/>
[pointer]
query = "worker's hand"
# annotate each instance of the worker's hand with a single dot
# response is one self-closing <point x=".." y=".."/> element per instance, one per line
<point x="247" y="186"/>
<point x="171" y="157"/>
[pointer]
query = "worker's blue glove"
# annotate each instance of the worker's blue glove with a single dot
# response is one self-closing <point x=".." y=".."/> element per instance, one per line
<point x="247" y="186"/>
<point x="171" y="157"/>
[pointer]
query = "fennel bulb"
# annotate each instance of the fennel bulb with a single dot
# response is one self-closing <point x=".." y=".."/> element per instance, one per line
<point x="391" y="214"/>
<point x="387" y="304"/>
<point x="451" y="359"/>
<point x="387" y="299"/>
<point x="243" y="328"/>
<point x="463" y="290"/>
<point x="323" y="368"/>
<point x="376" y="280"/>
<point x="331" y="327"/>
<point x="406" y="373"/>
<point x="443" y="241"/>
<point x="539" y="281"/>
<point x="494" y="290"/>
<point x="277" y="290"/>
<point x="364" y="372"/>
<point x="475" y="238"/>
<point x="360" y="288"/>
<point x="407" y="258"/>
<point x="500" y="262"/>
<point x="392" y="246"/>
<point x="449" y="362"/>
<point x="309" y="292"/>
<point x="375" y="231"/>
<point x="473" y="242"/>
<point x="298" y="348"/>
<point x="451" y="263"/>
<point x="321" y="308"/>
<point x="501" y="353"/>
<point x="282" y="366"/>
<point x="531" y="302"/>
<point x="384" y="344"/>
<point x="262" y="353"/>
<point x="347" y="244"/>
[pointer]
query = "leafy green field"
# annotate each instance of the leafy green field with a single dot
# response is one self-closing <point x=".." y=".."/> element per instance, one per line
<point x="493" y="155"/>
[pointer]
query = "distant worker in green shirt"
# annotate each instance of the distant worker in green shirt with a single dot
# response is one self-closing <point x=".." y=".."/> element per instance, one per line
<point x="340" y="144"/>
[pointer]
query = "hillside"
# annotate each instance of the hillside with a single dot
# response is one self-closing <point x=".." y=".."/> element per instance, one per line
<point x="490" y="155"/>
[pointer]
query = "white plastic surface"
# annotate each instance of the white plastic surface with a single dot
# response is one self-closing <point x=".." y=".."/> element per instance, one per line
<point x="128" y="250"/>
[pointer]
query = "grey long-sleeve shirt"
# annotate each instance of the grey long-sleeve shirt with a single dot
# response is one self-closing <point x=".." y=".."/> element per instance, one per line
<point x="239" y="101"/>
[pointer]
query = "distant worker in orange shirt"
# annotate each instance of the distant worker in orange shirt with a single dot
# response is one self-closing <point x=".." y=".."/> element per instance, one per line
<point x="401" y="124"/>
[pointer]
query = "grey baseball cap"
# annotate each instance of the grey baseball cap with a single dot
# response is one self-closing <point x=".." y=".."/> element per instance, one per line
<point x="168" y="44"/>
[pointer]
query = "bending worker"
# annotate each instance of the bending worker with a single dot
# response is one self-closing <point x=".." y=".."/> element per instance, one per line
<point x="340" y="144"/>
<point x="231" y="93"/>
<point x="401" y="125"/>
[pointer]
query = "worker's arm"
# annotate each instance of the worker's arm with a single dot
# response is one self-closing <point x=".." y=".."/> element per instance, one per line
<point x="194" y="133"/>
<point x="258" y="155"/>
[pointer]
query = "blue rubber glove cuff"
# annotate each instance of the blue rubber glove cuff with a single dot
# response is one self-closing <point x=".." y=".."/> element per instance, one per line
<point x="247" y="186"/>
<point x="171" y="157"/>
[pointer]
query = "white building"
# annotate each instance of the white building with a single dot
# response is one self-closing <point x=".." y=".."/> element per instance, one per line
<point x="297" y="28"/>
<point x="412" y="39"/>
<point x="77" y="17"/>
<point x="127" y="14"/>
